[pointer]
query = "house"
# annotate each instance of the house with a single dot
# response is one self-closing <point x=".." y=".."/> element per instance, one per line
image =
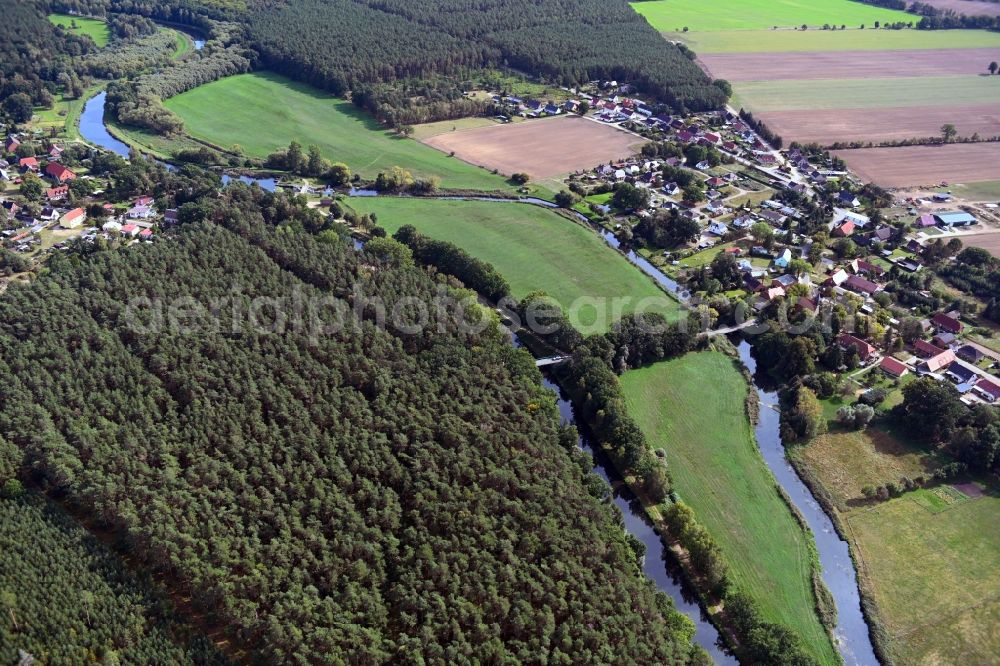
<point x="882" y="234"/>
<point x="170" y="216"/>
<point x="57" y="193"/>
<point x="783" y="281"/>
<point x="961" y="374"/>
<point x="774" y="217"/>
<point x="844" y="230"/>
<point x="112" y="225"/>
<point x="925" y="349"/>
<point x="783" y="259"/>
<point x="711" y="138"/>
<point x="144" y="200"/>
<point x="840" y="214"/>
<point x="970" y="354"/>
<point x="892" y="367"/>
<point x="947" y="323"/>
<point x="752" y="284"/>
<point x="865" y="350"/>
<point x="837" y="278"/>
<point x="140" y="213"/>
<point x="73" y="218"/>
<point x="715" y="182"/>
<point x="55" y="152"/>
<point x="988" y="389"/>
<point x="718" y="229"/>
<point x="759" y="251"/>
<point x="955" y="219"/>
<point x="924" y="221"/>
<point x="846" y="198"/>
<point x="866" y="268"/>
<point x="766" y="159"/>
<point x="49" y="214"/>
<point x="58" y="173"/>
<point x="703" y="165"/>
<point x="735" y="251"/>
<point x="671" y="188"/>
<point x="130" y="230"/>
<point x="685" y="136"/>
<point x="11" y="144"/>
<point x="145" y="234"/>
<point x="860" y="285"/>
<point x="28" y="164"/>
<point x="944" y="340"/>
<point x="552" y="109"/>
<point x="940" y="362"/>
<point x="775" y="292"/>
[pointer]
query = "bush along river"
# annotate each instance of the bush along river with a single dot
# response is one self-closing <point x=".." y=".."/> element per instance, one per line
<point x="851" y="633"/>
<point x="656" y="564"/>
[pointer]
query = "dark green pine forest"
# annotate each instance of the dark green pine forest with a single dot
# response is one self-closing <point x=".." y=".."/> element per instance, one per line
<point x="368" y="496"/>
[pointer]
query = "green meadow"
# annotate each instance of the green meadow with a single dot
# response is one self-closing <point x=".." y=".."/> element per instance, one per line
<point x="758" y="41"/>
<point x="807" y="94"/>
<point x="694" y="409"/>
<point x="697" y="15"/>
<point x="263" y="112"/>
<point x="931" y="561"/>
<point x="532" y="247"/>
<point x="96" y="29"/>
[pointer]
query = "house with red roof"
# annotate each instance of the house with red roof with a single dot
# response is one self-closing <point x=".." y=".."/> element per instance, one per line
<point x="865" y="350"/>
<point x="130" y="230"/>
<point x="844" y="230"/>
<point x="892" y="367"/>
<point x="57" y="193"/>
<point x="28" y="164"/>
<point x="988" y="389"/>
<point x="11" y="144"/>
<point x="59" y="173"/>
<point x="924" y="349"/>
<point x="948" y="323"/>
<point x="73" y="218"/>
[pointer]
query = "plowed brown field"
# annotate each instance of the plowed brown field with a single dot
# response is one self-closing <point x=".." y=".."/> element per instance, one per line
<point x="925" y="165"/>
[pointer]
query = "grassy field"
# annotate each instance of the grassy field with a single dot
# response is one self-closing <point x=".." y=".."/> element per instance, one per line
<point x="931" y="560"/>
<point x="532" y="247"/>
<point x="427" y="130"/>
<point x="757" y="41"/>
<point x="184" y="44"/>
<point x="96" y="29"/>
<point x="263" y="112"/>
<point x="699" y="15"/>
<point x="694" y="408"/>
<point x="987" y="190"/>
<point x="794" y="95"/>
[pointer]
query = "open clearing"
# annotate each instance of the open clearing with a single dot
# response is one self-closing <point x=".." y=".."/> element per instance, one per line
<point x="926" y="165"/>
<point x="96" y="29"/>
<point x="543" y="148"/>
<point x="885" y="124"/>
<point x="694" y="408"/>
<point x="931" y="560"/>
<point x="699" y="15"/>
<point x="814" y="65"/>
<point x="263" y="112"/>
<point x="533" y="248"/>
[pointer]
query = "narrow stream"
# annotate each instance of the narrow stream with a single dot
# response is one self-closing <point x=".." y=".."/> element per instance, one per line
<point x="92" y="127"/>
<point x="660" y="570"/>
<point x="851" y="633"/>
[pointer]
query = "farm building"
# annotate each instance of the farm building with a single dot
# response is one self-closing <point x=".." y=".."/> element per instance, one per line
<point x="955" y="219"/>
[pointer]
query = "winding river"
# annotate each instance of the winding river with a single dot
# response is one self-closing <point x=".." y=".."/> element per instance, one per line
<point x="851" y="632"/>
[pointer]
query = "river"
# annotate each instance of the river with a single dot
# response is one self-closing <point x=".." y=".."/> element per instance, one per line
<point x="851" y="633"/>
<point x="658" y="569"/>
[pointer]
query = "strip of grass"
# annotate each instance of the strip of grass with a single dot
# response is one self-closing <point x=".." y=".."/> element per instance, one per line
<point x="532" y="247"/>
<point x="694" y="408"/>
<point x="184" y="44"/>
<point x="427" y="130"/>
<point x="755" y="41"/>
<point x="263" y="112"/>
<point x="932" y="565"/>
<point x="987" y="190"/>
<point x="698" y="15"/>
<point x="796" y="95"/>
<point x="96" y="29"/>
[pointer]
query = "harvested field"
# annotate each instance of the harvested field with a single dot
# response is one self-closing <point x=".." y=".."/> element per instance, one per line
<point x="925" y="165"/>
<point x="967" y="7"/>
<point x="541" y="148"/>
<point x="885" y="124"/>
<point x="753" y="41"/>
<point x="811" y="65"/>
<point x="989" y="242"/>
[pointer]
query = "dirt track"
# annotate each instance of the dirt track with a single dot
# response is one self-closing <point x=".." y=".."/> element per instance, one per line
<point x="925" y="165"/>
<point x="736" y="67"/>
<point x="541" y="148"/>
<point x="894" y="123"/>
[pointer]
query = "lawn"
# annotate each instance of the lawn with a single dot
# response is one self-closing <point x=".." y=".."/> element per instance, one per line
<point x="987" y="190"/>
<point x="533" y="248"/>
<point x="756" y="41"/>
<point x="931" y="560"/>
<point x="697" y="15"/>
<point x="795" y="95"/>
<point x="263" y="112"/>
<point x="694" y="408"/>
<point x="96" y="29"/>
